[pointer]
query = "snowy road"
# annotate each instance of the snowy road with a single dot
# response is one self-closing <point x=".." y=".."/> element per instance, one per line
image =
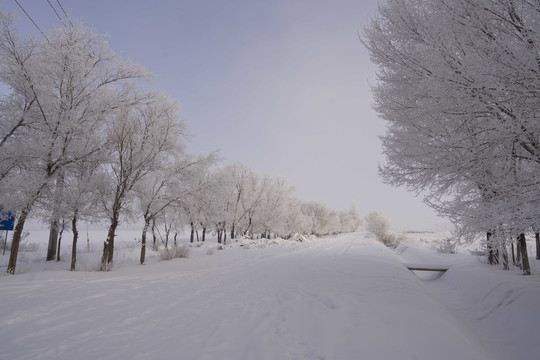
<point x="341" y="298"/>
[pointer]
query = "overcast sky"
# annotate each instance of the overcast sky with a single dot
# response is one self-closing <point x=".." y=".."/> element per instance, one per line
<point x="281" y="86"/>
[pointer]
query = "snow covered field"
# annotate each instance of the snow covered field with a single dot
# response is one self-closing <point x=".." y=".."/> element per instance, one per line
<point x="347" y="297"/>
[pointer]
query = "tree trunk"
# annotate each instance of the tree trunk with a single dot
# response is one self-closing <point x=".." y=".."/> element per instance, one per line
<point x="143" y="240"/>
<point x="524" y="256"/>
<point x="53" y="240"/>
<point x="219" y="236"/>
<point x="490" y="249"/>
<point x="108" y="246"/>
<point x="192" y="233"/>
<point x="224" y="237"/>
<point x="249" y="224"/>
<point x="203" y="234"/>
<point x="17" y="231"/>
<point x="167" y="232"/>
<point x="62" y="228"/>
<point x="232" y="231"/>
<point x="518" y="251"/>
<point x="513" y="255"/>
<point x="154" y="246"/>
<point x="505" y="255"/>
<point x="53" y="233"/>
<point x="75" y="238"/>
<point x="537" y="238"/>
<point x="197" y="233"/>
<point x="175" y="235"/>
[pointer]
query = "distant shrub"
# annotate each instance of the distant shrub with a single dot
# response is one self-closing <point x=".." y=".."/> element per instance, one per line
<point x="182" y="251"/>
<point x="179" y="251"/>
<point x="24" y="246"/>
<point x="447" y="246"/>
<point x="299" y="237"/>
<point x="167" y="254"/>
<point x="378" y="225"/>
<point x="388" y="239"/>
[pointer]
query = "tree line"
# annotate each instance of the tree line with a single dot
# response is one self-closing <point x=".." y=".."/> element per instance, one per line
<point x="458" y="86"/>
<point x="82" y="140"/>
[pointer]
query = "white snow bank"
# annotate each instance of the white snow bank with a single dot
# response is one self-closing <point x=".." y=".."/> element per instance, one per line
<point x="500" y="307"/>
<point x="335" y="298"/>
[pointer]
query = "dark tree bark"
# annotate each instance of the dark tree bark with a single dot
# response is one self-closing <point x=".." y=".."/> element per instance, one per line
<point x="60" y="234"/>
<point x="192" y="233"/>
<point x="167" y="232"/>
<point x="53" y="240"/>
<point x="203" y="234"/>
<point x="108" y="246"/>
<point x="54" y="234"/>
<point x="154" y="242"/>
<point x="17" y="231"/>
<point x="518" y="251"/>
<point x="524" y="256"/>
<point x="505" y="255"/>
<point x="537" y="238"/>
<point x="513" y="255"/>
<point x="16" y="240"/>
<point x="75" y="238"/>
<point x="143" y="239"/>
<point x="490" y="248"/>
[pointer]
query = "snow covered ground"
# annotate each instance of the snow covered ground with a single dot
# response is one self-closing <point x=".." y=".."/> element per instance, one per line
<point x="346" y="297"/>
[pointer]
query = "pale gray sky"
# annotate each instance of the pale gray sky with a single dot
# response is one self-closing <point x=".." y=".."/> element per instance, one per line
<point x="281" y="86"/>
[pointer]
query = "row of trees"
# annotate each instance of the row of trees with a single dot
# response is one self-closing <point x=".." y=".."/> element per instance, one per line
<point x="80" y="140"/>
<point x="234" y="201"/>
<point x="459" y="84"/>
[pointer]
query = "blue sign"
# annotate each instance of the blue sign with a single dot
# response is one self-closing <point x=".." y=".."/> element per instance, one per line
<point x="8" y="221"/>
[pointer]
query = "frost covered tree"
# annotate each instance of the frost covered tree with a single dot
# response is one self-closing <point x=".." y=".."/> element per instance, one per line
<point x="272" y="204"/>
<point x="61" y="91"/>
<point x="379" y="226"/>
<point x="293" y="219"/>
<point x="188" y="189"/>
<point x="80" y="199"/>
<point x="77" y="200"/>
<point x="152" y="201"/>
<point x="244" y="195"/>
<point x="350" y="220"/>
<point x="219" y="196"/>
<point x="320" y="217"/>
<point x="141" y="139"/>
<point x="458" y="87"/>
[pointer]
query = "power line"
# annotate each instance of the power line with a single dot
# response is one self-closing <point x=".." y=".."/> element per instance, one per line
<point x="52" y="7"/>
<point x="64" y="11"/>
<point x="33" y="22"/>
